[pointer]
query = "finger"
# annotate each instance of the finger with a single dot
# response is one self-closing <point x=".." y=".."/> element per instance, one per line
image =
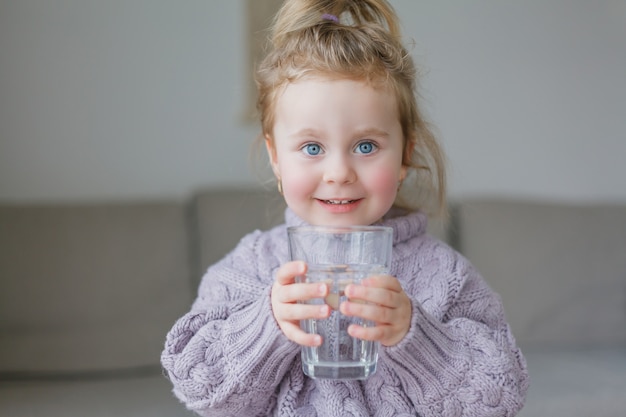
<point x="371" y="312"/>
<point x="297" y="312"/>
<point x="287" y="273"/>
<point x="291" y="293"/>
<point x="385" y="334"/>
<point x="294" y="333"/>
<point x="383" y="281"/>
<point x="375" y="295"/>
<point x="375" y="333"/>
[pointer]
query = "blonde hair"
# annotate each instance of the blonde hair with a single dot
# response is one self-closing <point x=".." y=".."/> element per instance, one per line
<point x="358" y="40"/>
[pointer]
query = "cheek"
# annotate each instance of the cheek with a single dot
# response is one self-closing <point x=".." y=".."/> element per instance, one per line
<point x="383" y="183"/>
<point x="297" y="182"/>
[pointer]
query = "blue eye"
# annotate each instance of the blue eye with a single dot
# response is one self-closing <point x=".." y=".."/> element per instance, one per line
<point x="312" y="149"/>
<point x="365" y="147"/>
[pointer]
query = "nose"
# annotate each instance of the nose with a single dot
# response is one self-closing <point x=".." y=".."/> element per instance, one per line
<point x="339" y="170"/>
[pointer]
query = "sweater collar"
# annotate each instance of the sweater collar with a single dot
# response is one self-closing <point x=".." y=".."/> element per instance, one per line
<point x="405" y="224"/>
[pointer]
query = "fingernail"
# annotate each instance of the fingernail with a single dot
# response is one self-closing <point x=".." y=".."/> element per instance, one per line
<point x="321" y="289"/>
<point x="348" y="290"/>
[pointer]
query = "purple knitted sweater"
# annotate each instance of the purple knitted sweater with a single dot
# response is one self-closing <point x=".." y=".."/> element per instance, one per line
<point x="228" y="357"/>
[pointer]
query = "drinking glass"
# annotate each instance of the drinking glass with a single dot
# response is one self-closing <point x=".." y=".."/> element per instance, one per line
<point x="339" y="256"/>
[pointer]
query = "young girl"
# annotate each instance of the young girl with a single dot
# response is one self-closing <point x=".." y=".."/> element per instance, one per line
<point x="344" y="135"/>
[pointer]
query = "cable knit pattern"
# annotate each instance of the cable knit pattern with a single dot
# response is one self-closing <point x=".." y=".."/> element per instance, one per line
<point x="228" y="357"/>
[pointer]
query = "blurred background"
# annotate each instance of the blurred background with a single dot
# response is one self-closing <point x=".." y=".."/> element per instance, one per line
<point x="127" y="166"/>
<point x="148" y="98"/>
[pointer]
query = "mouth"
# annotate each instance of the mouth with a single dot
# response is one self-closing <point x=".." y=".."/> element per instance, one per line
<point x="340" y="206"/>
<point x="338" y="202"/>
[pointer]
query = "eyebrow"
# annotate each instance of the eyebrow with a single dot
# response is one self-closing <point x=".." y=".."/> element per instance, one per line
<point x="305" y="132"/>
<point x="370" y="131"/>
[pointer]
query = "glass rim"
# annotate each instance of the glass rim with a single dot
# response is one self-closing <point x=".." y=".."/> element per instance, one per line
<point x="337" y="229"/>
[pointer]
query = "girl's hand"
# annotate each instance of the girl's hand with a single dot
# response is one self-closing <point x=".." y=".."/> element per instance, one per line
<point x="382" y="300"/>
<point x="288" y="312"/>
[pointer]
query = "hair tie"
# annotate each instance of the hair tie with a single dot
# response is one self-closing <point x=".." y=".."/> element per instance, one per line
<point x="332" y="17"/>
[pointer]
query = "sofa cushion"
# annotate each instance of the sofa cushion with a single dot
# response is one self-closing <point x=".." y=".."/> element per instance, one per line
<point x="139" y="396"/>
<point x="90" y="287"/>
<point x="576" y="383"/>
<point x="222" y="216"/>
<point x="560" y="268"/>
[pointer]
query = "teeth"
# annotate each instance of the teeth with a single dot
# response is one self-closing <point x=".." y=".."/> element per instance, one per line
<point x="339" y="201"/>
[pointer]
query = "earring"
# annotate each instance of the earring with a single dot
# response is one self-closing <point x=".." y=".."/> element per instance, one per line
<point x="280" y="186"/>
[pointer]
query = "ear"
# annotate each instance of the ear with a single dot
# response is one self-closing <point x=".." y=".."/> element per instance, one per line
<point x="271" y="153"/>
<point x="403" y="173"/>
<point x="407" y="155"/>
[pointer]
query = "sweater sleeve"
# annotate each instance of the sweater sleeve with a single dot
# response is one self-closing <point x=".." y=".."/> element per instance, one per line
<point x="459" y="357"/>
<point x="228" y="355"/>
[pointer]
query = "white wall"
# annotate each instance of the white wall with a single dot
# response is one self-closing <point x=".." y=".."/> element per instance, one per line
<point x="121" y="99"/>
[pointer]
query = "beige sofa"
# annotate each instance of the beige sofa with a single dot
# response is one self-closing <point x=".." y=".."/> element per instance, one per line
<point x="87" y="293"/>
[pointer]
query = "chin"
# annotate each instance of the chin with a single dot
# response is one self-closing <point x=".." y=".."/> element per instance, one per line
<point x="340" y="221"/>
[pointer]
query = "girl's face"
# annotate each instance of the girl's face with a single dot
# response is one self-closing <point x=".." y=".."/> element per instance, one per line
<point x="337" y="149"/>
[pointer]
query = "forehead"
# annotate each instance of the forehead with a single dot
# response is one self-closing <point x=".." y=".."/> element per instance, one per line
<point x="324" y="92"/>
<point x="331" y="107"/>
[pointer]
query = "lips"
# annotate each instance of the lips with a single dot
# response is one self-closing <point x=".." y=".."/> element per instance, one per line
<point x="338" y="202"/>
<point x="340" y="205"/>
